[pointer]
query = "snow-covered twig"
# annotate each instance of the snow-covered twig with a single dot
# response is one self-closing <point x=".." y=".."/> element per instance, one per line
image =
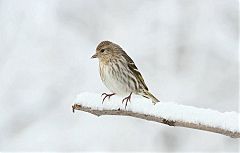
<point x="168" y="113"/>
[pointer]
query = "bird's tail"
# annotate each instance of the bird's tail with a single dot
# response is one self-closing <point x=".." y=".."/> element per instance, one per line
<point x="147" y="94"/>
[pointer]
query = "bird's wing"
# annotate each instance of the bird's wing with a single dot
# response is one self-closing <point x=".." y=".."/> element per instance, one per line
<point x="134" y="69"/>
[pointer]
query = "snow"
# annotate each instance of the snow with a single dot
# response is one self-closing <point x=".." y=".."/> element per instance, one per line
<point x="167" y="110"/>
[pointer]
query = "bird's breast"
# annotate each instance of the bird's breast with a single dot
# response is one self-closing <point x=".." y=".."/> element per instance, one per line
<point x="116" y="78"/>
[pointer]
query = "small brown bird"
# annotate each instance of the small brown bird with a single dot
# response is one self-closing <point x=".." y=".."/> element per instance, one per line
<point x="119" y="73"/>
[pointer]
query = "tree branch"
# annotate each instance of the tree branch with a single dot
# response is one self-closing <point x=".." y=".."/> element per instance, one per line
<point x="171" y="122"/>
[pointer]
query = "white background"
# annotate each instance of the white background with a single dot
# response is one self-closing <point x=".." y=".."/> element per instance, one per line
<point x="186" y="50"/>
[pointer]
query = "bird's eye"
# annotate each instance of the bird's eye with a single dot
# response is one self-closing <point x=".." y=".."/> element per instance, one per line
<point x="102" y="50"/>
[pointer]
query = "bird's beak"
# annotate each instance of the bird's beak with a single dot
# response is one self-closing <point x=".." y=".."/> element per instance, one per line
<point x="94" y="56"/>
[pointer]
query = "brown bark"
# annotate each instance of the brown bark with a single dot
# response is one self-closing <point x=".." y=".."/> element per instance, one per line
<point x="157" y="119"/>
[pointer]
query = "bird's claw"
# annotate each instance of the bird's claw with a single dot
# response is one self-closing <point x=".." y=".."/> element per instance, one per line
<point x="127" y="99"/>
<point x="106" y="95"/>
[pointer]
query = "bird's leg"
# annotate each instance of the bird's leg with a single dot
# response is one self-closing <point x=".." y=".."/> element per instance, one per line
<point x="107" y="95"/>
<point x="128" y="99"/>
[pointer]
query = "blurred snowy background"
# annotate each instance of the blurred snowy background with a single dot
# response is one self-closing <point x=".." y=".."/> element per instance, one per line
<point x="187" y="51"/>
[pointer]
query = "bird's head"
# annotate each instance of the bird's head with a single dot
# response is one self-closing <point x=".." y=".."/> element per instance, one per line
<point x="107" y="50"/>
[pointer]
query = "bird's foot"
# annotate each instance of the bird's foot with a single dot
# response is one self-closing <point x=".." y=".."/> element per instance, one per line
<point x="127" y="99"/>
<point x="106" y="95"/>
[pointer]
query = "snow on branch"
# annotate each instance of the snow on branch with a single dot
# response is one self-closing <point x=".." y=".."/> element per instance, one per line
<point x="168" y="113"/>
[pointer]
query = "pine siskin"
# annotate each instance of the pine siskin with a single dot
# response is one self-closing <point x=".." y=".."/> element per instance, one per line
<point x="119" y="73"/>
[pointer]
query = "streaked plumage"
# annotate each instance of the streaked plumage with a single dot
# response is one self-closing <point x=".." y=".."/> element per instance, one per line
<point x="119" y="73"/>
